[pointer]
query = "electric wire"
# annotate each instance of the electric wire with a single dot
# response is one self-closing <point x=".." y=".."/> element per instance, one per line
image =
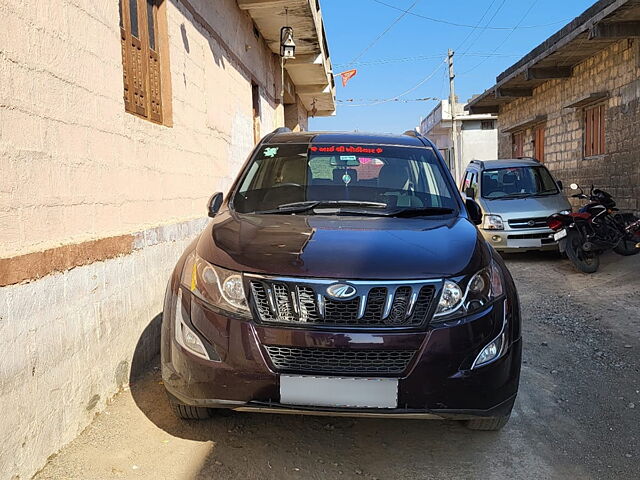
<point x="400" y="100"/>
<point x="384" y="32"/>
<point x="486" y="26"/>
<point x="406" y="92"/>
<point x="476" y="26"/>
<point x="533" y="4"/>
<point x="384" y="61"/>
<point x="438" y="20"/>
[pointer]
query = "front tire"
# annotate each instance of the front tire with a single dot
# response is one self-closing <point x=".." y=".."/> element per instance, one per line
<point x="188" y="412"/>
<point x="626" y="247"/>
<point x="586" y="262"/>
<point x="489" y="424"/>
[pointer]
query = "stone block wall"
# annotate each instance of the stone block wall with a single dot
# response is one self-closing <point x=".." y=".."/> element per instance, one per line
<point x="615" y="70"/>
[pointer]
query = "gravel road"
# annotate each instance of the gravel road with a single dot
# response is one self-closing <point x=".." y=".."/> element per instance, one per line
<point x="577" y="413"/>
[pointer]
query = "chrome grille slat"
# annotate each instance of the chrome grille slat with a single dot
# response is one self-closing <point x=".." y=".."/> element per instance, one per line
<point x="339" y="361"/>
<point x="538" y="222"/>
<point x="377" y="303"/>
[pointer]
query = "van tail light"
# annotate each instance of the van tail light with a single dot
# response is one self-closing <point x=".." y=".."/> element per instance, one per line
<point x="554" y="223"/>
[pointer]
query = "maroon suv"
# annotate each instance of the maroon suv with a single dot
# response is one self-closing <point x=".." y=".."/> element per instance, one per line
<point x="343" y="273"/>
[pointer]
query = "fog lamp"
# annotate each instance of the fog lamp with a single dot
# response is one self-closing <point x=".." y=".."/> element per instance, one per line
<point x="186" y="337"/>
<point x="489" y="353"/>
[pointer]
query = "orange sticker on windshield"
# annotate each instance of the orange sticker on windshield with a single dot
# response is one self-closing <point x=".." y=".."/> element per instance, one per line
<point x="343" y="149"/>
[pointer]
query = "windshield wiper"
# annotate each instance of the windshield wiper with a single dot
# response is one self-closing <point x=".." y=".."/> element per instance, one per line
<point x="513" y="195"/>
<point x="546" y="192"/>
<point x="299" y="207"/>
<point x="418" y="212"/>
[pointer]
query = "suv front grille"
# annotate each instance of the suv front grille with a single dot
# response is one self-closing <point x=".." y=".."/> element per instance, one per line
<point x="337" y="361"/>
<point x="539" y="222"/>
<point x="376" y="304"/>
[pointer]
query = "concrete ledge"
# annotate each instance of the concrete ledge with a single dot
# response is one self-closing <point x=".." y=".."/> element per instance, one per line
<point x="31" y="266"/>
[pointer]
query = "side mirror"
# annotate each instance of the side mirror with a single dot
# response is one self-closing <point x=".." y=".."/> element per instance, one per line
<point x="215" y="202"/>
<point x="470" y="192"/>
<point x="474" y="211"/>
<point x="560" y="184"/>
<point x="574" y="186"/>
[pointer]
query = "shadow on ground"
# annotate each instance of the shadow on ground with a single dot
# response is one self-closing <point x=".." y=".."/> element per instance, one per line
<point x="252" y="445"/>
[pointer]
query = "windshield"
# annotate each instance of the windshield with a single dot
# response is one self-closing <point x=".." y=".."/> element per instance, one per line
<point x="517" y="182"/>
<point x="381" y="178"/>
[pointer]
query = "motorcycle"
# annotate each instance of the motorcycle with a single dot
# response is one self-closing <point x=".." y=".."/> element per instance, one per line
<point x="594" y="229"/>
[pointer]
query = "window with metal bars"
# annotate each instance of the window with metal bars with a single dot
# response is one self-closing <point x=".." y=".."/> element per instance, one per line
<point x="594" y="130"/>
<point x="141" y="58"/>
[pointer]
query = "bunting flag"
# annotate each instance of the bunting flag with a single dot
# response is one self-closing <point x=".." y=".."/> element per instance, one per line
<point x="347" y="75"/>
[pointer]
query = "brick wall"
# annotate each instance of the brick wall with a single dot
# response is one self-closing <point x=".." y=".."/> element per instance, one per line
<point x="616" y="70"/>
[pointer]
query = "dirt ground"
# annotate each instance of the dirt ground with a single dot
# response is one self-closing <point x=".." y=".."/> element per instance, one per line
<point x="577" y="413"/>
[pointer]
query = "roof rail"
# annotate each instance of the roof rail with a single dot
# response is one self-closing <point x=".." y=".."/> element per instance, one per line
<point x="281" y="130"/>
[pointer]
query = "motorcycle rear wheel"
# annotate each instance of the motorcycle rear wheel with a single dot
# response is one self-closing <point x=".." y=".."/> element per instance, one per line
<point x="586" y="262"/>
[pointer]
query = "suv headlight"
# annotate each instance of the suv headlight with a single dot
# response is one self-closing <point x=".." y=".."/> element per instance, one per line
<point x="481" y="289"/>
<point x="493" y="222"/>
<point x="214" y="285"/>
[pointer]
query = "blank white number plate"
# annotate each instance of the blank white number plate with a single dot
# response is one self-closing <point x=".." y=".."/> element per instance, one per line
<point x="559" y="235"/>
<point x="339" y="392"/>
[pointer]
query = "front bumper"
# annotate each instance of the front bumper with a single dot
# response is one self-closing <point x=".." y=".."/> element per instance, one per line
<point x="520" y="240"/>
<point x="437" y="383"/>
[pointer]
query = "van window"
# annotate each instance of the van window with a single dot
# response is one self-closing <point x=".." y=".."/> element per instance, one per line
<point x="518" y="182"/>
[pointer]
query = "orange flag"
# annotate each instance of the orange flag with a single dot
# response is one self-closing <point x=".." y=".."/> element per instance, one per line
<point x="347" y="75"/>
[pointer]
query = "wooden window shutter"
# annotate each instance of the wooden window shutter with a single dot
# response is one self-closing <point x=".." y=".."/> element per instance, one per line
<point x="594" y="131"/>
<point x="141" y="58"/>
<point x="155" y="91"/>
<point x="539" y="143"/>
<point x="518" y="144"/>
<point x="126" y="68"/>
<point x="134" y="63"/>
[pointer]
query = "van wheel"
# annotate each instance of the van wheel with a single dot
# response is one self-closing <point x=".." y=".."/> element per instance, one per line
<point x="188" y="412"/>
<point x="489" y="424"/>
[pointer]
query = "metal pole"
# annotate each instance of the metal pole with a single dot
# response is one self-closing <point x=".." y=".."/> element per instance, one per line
<point x="454" y="129"/>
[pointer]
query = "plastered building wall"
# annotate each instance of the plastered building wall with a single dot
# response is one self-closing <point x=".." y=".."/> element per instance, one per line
<point x="75" y="165"/>
<point x="615" y="70"/>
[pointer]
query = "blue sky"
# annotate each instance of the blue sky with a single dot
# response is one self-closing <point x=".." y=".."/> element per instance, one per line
<point x="352" y="25"/>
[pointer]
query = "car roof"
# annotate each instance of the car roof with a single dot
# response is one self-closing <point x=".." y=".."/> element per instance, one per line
<point x="505" y="163"/>
<point x="359" y="138"/>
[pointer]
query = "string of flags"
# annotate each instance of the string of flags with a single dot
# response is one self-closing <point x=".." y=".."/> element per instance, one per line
<point x="400" y="100"/>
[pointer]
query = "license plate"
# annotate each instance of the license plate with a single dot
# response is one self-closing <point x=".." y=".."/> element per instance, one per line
<point x="524" y="243"/>
<point x="339" y="392"/>
<point x="559" y="235"/>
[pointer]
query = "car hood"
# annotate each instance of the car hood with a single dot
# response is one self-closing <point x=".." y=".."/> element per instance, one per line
<point x="529" y="207"/>
<point x="343" y="247"/>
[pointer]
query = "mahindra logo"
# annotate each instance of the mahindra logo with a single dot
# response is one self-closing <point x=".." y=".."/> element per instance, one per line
<point x="341" y="291"/>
